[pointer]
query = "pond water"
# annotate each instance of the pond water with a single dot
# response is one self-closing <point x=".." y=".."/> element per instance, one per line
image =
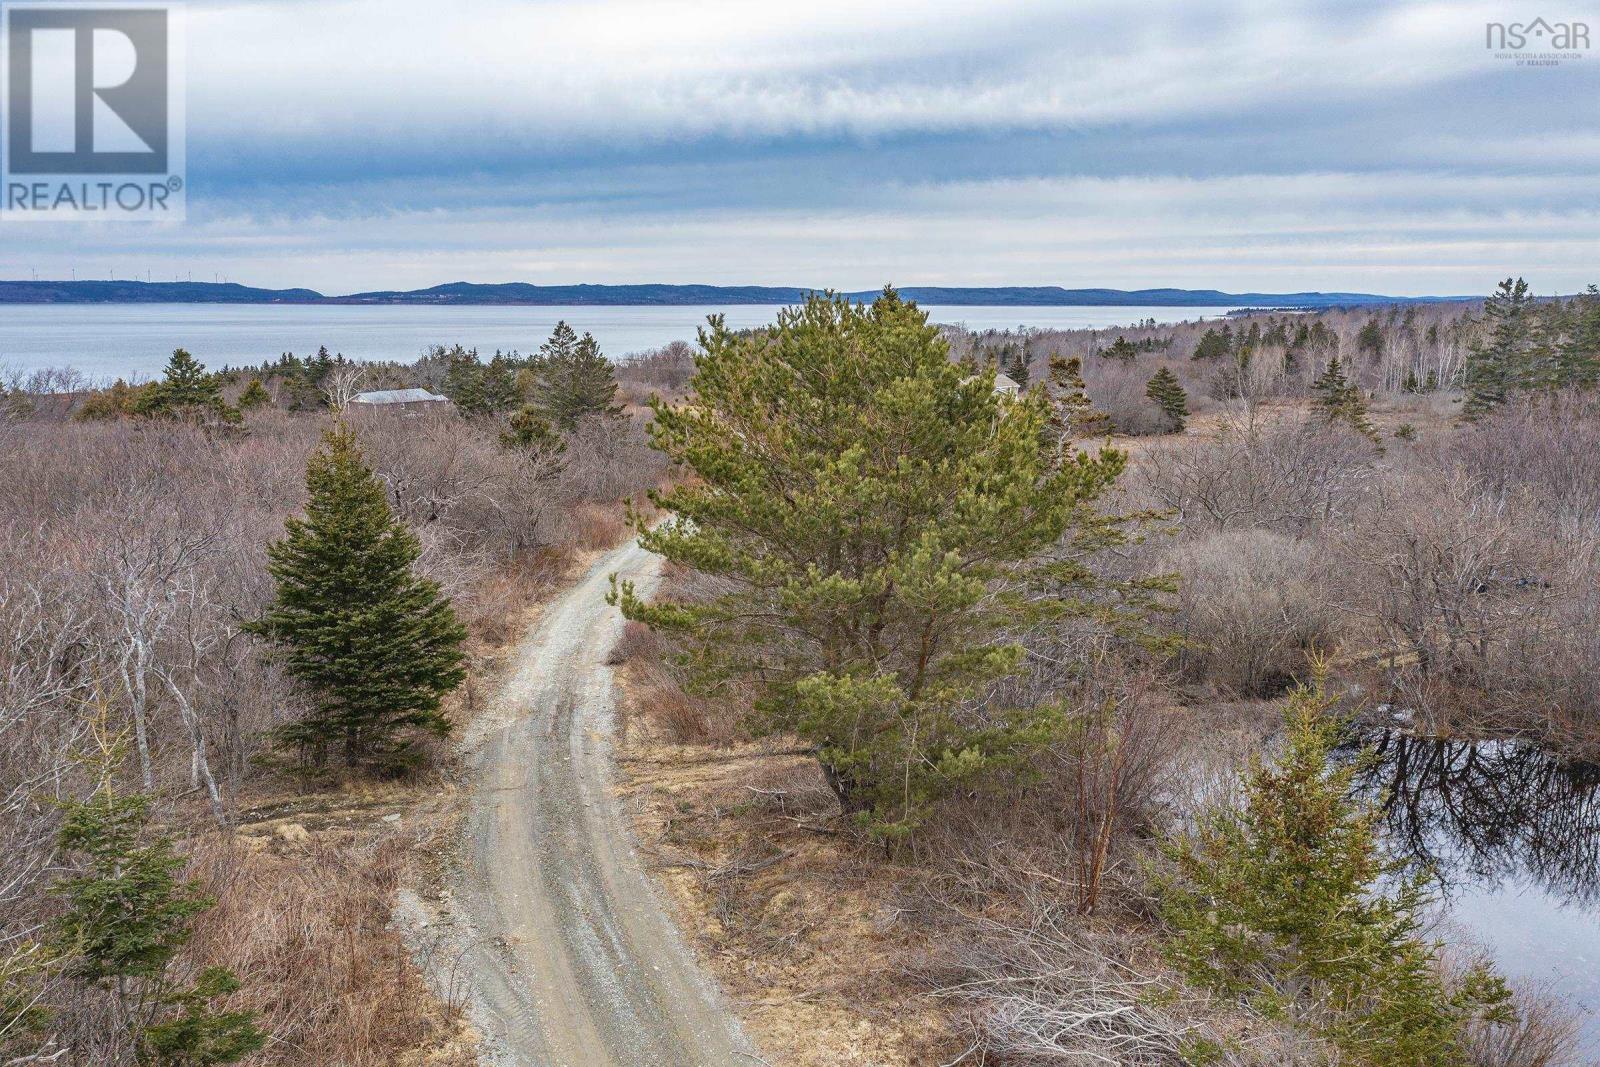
<point x="1513" y="837"/>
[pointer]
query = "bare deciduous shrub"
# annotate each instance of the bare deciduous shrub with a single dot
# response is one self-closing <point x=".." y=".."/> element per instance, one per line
<point x="676" y="715"/>
<point x="608" y="459"/>
<point x="1250" y="609"/>
<point x="1074" y="820"/>
<point x="1544" y="447"/>
<point x="1056" y="991"/>
<point x="130" y="553"/>
<point x="663" y="371"/>
<point x="596" y="527"/>
<point x="1293" y="475"/>
<point x="1118" y="391"/>
<point x="638" y="642"/>
<point x="1545" y="1034"/>
<point x="1048" y="989"/>
<point x="1466" y="592"/>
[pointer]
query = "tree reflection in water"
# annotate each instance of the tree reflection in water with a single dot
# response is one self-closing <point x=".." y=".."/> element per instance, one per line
<point x="1482" y="812"/>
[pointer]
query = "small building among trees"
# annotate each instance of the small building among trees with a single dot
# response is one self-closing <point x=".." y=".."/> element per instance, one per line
<point x="401" y="401"/>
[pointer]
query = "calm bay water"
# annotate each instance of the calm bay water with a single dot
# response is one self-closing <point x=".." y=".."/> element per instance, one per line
<point x="106" y="341"/>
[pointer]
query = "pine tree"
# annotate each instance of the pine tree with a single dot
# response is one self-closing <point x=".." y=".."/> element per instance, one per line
<point x="1293" y="904"/>
<point x="1073" y="416"/>
<point x="574" y="380"/>
<point x="1500" y="361"/>
<point x="530" y="435"/>
<point x="376" y="645"/>
<point x="115" y="402"/>
<point x="127" y="914"/>
<point x="527" y="430"/>
<point x="881" y="521"/>
<point x="1165" y="389"/>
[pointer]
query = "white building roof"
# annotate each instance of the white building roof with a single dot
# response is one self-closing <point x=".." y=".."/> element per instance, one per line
<point x="396" y="396"/>
<point x="1003" y="386"/>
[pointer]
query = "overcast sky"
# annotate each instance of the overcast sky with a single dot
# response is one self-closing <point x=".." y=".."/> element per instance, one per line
<point x="355" y="144"/>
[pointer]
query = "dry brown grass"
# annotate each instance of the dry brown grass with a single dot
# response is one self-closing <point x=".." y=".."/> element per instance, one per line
<point x="303" y="916"/>
<point x="502" y="603"/>
<point x="597" y="526"/>
<point x="802" y="925"/>
<point x="666" y="712"/>
<point x="658" y="707"/>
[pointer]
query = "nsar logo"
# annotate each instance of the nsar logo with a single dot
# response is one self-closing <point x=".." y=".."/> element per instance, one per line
<point x="1539" y="43"/>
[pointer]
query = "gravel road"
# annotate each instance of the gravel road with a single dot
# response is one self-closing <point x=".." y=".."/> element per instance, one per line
<point x="572" y="961"/>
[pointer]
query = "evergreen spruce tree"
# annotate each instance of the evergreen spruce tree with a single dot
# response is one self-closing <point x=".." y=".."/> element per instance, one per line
<point x="498" y="388"/>
<point x="574" y="380"/>
<point x="1016" y="367"/>
<point x="1214" y="345"/>
<point x="376" y="646"/>
<point x="299" y="391"/>
<point x="1370" y="341"/>
<point x="255" y="395"/>
<point x="186" y="390"/>
<point x="318" y="367"/>
<point x="1292" y="903"/>
<point x="1072" y="415"/>
<point x="1121" y="349"/>
<point x="1331" y="389"/>
<point x="1167" y="392"/>
<point x="882" y="522"/>
<point x="1578" y="357"/>
<point x="127" y="913"/>
<point x="563" y="342"/>
<point x="1500" y="361"/>
<point x="1341" y="401"/>
<point x="463" y="382"/>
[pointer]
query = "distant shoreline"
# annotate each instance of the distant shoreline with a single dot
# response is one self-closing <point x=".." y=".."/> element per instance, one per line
<point x="520" y="294"/>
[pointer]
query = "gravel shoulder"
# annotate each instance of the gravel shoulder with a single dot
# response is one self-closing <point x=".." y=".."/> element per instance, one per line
<point x="566" y="956"/>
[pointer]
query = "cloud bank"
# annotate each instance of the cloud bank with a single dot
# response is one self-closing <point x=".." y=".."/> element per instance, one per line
<point x="354" y="144"/>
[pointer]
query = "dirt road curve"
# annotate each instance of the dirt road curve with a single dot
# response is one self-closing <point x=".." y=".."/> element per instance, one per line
<point x="573" y="961"/>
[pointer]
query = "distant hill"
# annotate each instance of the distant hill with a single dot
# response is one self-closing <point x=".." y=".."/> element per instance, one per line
<point x="150" y="293"/>
<point x="992" y="296"/>
<point x="470" y="293"/>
